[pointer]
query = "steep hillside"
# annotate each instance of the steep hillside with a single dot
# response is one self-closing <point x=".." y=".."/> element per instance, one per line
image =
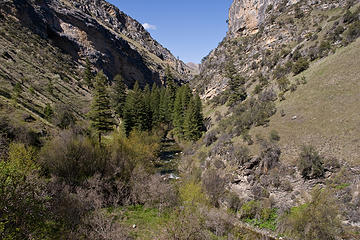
<point x="44" y="45"/>
<point x="267" y="38"/>
<point x="325" y="111"/>
<point x="281" y="93"/>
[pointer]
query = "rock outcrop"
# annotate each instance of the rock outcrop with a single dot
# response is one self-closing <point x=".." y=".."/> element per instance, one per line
<point x="263" y="34"/>
<point x="97" y="30"/>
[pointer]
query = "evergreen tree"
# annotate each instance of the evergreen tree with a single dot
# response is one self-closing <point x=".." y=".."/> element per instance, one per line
<point x="147" y="103"/>
<point x="119" y="95"/>
<point x="170" y="86"/>
<point x="237" y="91"/>
<point x="88" y="75"/>
<point x="194" y="122"/>
<point x="183" y="96"/>
<point x="100" y="114"/>
<point x="155" y="104"/>
<point x="165" y="106"/>
<point x="135" y="115"/>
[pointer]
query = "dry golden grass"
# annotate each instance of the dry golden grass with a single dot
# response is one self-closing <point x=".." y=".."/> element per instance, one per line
<point x="327" y="109"/>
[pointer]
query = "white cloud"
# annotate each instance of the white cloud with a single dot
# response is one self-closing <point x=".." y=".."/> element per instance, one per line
<point x="148" y="26"/>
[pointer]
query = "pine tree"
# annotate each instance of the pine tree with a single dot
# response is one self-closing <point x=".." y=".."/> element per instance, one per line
<point x="237" y="91"/>
<point x="194" y="122"/>
<point x="147" y="103"/>
<point x="100" y="114"/>
<point x="155" y="104"/>
<point x="183" y="96"/>
<point x="135" y="115"/>
<point x="178" y="113"/>
<point x="165" y="106"/>
<point x="119" y="95"/>
<point x="88" y="75"/>
<point x="170" y="86"/>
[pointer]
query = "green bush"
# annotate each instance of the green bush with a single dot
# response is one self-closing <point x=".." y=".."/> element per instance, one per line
<point x="300" y="65"/>
<point x="73" y="158"/>
<point x="310" y="163"/>
<point x="283" y="84"/>
<point x="23" y="199"/>
<point x="318" y="218"/>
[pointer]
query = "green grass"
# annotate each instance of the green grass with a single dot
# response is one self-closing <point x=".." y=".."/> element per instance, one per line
<point x="342" y="186"/>
<point x="270" y="223"/>
<point x="149" y="221"/>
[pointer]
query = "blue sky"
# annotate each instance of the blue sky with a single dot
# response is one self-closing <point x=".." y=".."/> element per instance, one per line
<point x="190" y="29"/>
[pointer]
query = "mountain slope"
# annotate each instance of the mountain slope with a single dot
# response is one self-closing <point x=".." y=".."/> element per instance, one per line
<point x="326" y="109"/>
<point x="44" y="45"/>
<point x="268" y="37"/>
<point x="99" y="31"/>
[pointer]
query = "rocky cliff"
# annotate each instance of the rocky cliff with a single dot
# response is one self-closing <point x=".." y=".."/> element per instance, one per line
<point x="263" y="35"/>
<point x="97" y="30"/>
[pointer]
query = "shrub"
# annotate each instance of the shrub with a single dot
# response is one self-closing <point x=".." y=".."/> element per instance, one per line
<point x="73" y="158"/>
<point x="258" y="89"/>
<point x="210" y="138"/>
<point x="191" y="194"/>
<point x="283" y="83"/>
<point x="274" y="136"/>
<point x="349" y="17"/>
<point x="48" y="111"/>
<point x="353" y="31"/>
<point x="310" y="163"/>
<point x="250" y="210"/>
<point x="324" y="48"/>
<point x="241" y="155"/>
<point x="298" y="13"/>
<point x="214" y="186"/>
<point x="301" y="65"/>
<point x="63" y="117"/>
<point x="151" y="190"/>
<point x="234" y="202"/>
<point x="268" y="95"/>
<point x="318" y="218"/>
<point x="293" y="87"/>
<point x="269" y="156"/>
<point x="23" y="198"/>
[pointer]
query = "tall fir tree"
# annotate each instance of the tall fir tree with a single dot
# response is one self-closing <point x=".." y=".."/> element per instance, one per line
<point x="183" y="96"/>
<point x="170" y="86"/>
<point x="237" y="91"/>
<point x="165" y="106"/>
<point x="101" y="115"/>
<point x="147" y="104"/>
<point x="135" y="115"/>
<point x="194" y="122"/>
<point x="155" y="104"/>
<point x="88" y="75"/>
<point x="119" y="95"/>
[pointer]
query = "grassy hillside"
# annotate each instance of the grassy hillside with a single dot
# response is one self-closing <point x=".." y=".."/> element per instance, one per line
<point x="33" y="73"/>
<point x="326" y="108"/>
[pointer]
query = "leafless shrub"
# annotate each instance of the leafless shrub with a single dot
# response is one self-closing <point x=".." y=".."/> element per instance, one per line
<point x="151" y="190"/>
<point x="241" y="155"/>
<point x="185" y="224"/>
<point x="269" y="156"/>
<point x="268" y="95"/>
<point x="102" y="226"/>
<point x="210" y="138"/>
<point x="218" y="222"/>
<point x="214" y="185"/>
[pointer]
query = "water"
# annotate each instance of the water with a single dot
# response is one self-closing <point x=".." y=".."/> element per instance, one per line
<point x="167" y="164"/>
